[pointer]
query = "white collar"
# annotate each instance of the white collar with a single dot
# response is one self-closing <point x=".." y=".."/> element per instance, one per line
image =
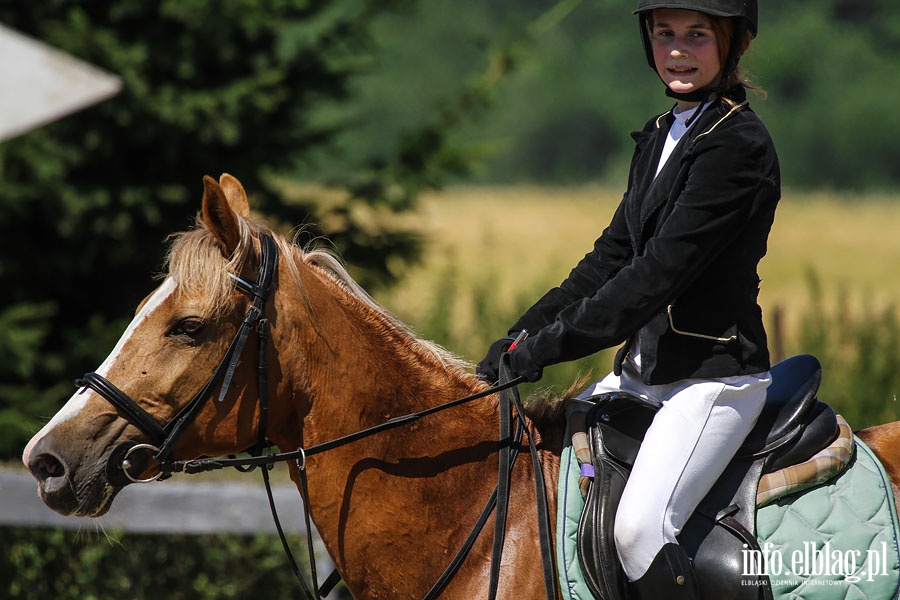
<point x="684" y="117"/>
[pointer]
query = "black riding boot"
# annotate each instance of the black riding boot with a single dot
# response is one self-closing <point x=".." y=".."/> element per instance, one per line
<point x="670" y="577"/>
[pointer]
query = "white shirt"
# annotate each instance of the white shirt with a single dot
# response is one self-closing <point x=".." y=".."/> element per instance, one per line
<point x="676" y="132"/>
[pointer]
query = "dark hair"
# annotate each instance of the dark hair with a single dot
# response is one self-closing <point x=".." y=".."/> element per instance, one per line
<point x="724" y="29"/>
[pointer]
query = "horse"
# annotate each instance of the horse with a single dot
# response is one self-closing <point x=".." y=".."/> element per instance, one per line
<point x="391" y="508"/>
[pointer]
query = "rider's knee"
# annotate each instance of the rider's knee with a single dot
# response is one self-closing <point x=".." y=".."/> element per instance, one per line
<point x="632" y="531"/>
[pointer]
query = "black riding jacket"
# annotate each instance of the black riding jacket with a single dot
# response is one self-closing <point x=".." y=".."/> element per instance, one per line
<point x="677" y="265"/>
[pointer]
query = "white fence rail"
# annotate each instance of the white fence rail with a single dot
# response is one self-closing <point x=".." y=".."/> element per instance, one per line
<point x="191" y="507"/>
<point x="163" y="507"/>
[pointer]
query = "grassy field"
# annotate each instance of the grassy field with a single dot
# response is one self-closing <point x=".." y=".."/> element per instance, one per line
<point x="523" y="240"/>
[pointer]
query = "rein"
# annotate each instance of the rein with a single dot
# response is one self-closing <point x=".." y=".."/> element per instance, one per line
<point x="164" y="438"/>
<point x="300" y="455"/>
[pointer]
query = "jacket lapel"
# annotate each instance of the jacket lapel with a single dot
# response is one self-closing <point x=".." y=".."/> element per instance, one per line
<point x="647" y="195"/>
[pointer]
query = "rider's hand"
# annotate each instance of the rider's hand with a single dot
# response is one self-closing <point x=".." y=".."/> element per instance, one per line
<point x="522" y="364"/>
<point x="489" y="368"/>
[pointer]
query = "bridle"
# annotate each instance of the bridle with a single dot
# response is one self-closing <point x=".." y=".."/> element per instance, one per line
<point x="164" y="437"/>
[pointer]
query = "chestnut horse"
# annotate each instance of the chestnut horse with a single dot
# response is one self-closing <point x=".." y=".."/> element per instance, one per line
<point x="393" y="508"/>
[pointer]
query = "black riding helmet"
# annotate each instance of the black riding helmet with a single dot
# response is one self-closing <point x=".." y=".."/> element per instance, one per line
<point x="746" y="18"/>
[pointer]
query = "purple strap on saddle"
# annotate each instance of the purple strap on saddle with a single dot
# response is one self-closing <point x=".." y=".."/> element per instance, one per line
<point x="587" y="470"/>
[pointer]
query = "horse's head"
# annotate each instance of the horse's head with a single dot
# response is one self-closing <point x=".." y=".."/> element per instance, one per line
<point x="139" y="400"/>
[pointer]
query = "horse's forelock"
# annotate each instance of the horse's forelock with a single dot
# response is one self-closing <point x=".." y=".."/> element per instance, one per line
<point x="196" y="263"/>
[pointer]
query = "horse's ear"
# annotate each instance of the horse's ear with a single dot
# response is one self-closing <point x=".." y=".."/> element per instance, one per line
<point x="219" y="216"/>
<point x="235" y="194"/>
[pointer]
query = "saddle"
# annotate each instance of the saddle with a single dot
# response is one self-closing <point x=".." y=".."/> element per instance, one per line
<point x="793" y="426"/>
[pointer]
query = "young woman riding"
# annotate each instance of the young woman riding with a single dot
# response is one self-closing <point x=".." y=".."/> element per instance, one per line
<point x="674" y="277"/>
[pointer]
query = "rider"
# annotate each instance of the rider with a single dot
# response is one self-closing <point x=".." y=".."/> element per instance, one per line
<point x="674" y="276"/>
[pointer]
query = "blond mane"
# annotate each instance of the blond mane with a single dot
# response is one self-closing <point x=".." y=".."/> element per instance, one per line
<point x="195" y="261"/>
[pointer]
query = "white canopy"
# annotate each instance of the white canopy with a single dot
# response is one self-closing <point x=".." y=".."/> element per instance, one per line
<point x="40" y="84"/>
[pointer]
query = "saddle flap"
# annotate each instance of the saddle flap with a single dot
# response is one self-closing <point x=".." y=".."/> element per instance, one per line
<point x="623" y="419"/>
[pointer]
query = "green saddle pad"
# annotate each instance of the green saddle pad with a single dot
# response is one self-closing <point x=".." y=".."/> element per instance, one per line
<point x="834" y="541"/>
<point x="570" y="504"/>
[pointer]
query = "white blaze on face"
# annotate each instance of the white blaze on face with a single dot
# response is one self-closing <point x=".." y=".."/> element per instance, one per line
<point x="80" y="398"/>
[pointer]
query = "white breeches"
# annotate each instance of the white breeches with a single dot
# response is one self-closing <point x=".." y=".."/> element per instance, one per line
<point x="695" y="434"/>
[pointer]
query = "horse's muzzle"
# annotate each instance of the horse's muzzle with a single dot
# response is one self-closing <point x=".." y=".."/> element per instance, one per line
<point x="53" y="476"/>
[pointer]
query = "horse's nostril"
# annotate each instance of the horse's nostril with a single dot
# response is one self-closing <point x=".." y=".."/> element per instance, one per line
<point x="46" y="466"/>
<point x="53" y="481"/>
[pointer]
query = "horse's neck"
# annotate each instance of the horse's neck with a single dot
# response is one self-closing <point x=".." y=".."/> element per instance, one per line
<point x="382" y="383"/>
<point x="392" y="486"/>
<point x="354" y="367"/>
<point x="403" y="497"/>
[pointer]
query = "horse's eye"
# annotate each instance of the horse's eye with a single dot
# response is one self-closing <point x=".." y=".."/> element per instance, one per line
<point x="189" y="327"/>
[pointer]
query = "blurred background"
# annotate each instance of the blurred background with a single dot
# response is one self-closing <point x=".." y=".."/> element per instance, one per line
<point x="460" y="157"/>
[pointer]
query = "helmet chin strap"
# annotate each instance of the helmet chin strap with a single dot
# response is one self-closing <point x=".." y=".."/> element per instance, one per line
<point x="701" y="95"/>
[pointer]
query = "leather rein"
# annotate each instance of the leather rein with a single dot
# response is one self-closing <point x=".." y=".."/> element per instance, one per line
<point x="164" y="437"/>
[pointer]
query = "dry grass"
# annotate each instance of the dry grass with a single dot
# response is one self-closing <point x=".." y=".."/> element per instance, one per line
<point x="521" y="238"/>
<point x="851" y="243"/>
<point x="525" y="239"/>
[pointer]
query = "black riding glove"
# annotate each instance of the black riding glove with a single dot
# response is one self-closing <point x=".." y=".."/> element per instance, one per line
<point x="522" y="364"/>
<point x="489" y="368"/>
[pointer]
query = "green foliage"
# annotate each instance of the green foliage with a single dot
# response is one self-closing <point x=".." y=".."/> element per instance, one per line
<point x="563" y="116"/>
<point x="375" y="98"/>
<point x="256" y="89"/>
<point x="859" y="350"/>
<point x="207" y="87"/>
<point x="68" y="565"/>
<point x="23" y="329"/>
<point x="832" y="132"/>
